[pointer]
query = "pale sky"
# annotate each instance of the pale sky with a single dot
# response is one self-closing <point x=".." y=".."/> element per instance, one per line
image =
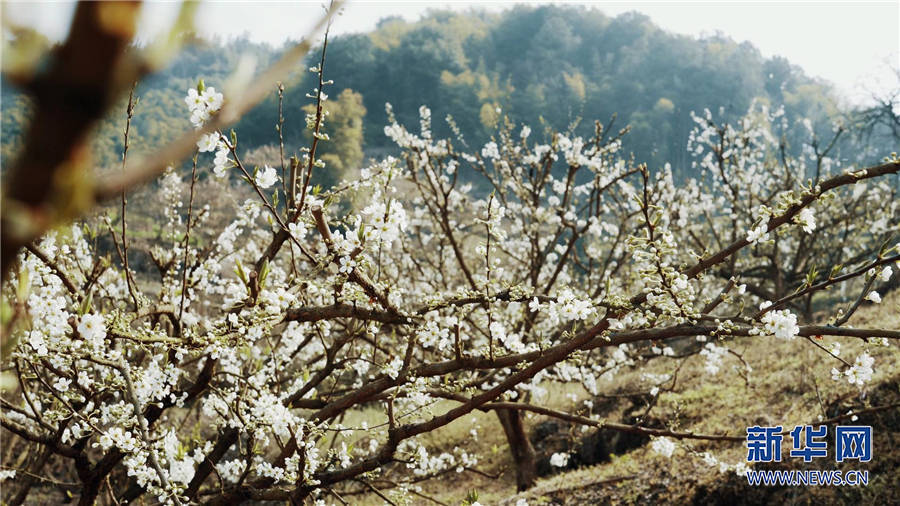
<point x="854" y="45"/>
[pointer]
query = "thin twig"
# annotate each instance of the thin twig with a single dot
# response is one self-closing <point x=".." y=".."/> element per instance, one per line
<point x="187" y="242"/>
<point x="129" y="113"/>
<point x="318" y="125"/>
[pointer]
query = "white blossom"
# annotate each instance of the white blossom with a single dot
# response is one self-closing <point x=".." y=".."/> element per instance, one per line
<point x="559" y="459"/>
<point x="208" y="142"/>
<point x="714" y="355"/>
<point x="266" y="177"/>
<point x="92" y="328"/>
<point x="780" y="323"/>
<point x="663" y="446"/>
<point x="347" y="264"/>
<point x="202" y="105"/>
<point x="806" y="219"/>
<point x="758" y="234"/>
<point x="61" y="384"/>
<point x="392" y="368"/>
<point x="490" y="151"/>
<point x="861" y="372"/>
<point x="221" y="161"/>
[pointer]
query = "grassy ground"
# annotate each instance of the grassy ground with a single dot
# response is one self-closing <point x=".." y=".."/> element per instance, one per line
<point x="790" y="384"/>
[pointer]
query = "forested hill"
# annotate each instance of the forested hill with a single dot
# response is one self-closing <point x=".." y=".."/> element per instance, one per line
<point x="562" y="63"/>
<point x="553" y="64"/>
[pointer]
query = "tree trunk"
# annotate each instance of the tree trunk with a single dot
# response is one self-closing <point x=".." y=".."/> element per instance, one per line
<point x="520" y="447"/>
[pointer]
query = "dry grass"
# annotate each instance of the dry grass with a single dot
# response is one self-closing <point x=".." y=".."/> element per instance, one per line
<point x="790" y="385"/>
<point x="782" y="391"/>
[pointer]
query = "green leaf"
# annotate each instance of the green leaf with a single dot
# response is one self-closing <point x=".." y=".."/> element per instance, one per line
<point x="264" y="271"/>
<point x="6" y="311"/>
<point x="811" y="276"/>
<point x="86" y="304"/>
<point x="239" y="270"/>
<point x="24" y="286"/>
<point x="835" y="270"/>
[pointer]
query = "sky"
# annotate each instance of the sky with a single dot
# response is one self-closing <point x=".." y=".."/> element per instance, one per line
<point x="855" y="45"/>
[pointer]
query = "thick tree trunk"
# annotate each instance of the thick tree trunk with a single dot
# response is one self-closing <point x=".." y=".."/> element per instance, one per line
<point x="520" y="447"/>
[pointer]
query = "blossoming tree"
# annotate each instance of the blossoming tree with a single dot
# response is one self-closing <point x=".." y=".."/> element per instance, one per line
<point x="445" y="280"/>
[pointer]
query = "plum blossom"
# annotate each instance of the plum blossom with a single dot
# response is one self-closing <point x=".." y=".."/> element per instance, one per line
<point x="208" y="142"/>
<point x="861" y="372"/>
<point x="231" y="470"/>
<point x="559" y="459"/>
<point x="61" y="384"/>
<point x="266" y="177"/>
<point x="213" y="99"/>
<point x="92" y="328"/>
<point x="714" y="355"/>
<point x="663" y="446"/>
<point x="203" y="105"/>
<point x="873" y="296"/>
<point x="568" y="306"/>
<point x="347" y="265"/>
<point x="490" y="151"/>
<point x="220" y="163"/>
<point x="297" y="229"/>
<point x="433" y="335"/>
<point x="806" y="219"/>
<point x="758" y="234"/>
<point x="388" y="220"/>
<point x="182" y="471"/>
<point x="120" y="438"/>
<point x="781" y="323"/>
<point x="194" y="100"/>
<point x="392" y="368"/>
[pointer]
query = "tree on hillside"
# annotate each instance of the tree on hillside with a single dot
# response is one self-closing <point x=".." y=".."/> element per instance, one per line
<point x="881" y="120"/>
<point x="550" y="63"/>
<point x="344" y="128"/>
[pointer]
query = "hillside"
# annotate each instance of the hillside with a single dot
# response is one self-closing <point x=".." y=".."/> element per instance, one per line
<point x="550" y="64"/>
<point x="786" y="386"/>
<point x="576" y="260"/>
